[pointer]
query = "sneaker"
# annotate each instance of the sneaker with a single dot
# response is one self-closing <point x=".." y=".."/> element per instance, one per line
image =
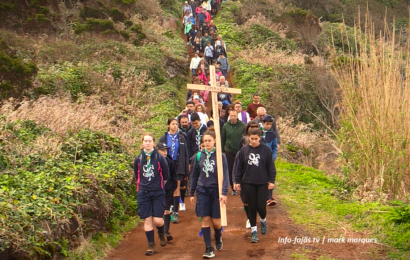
<point x="254" y="237"/>
<point x="248" y="224"/>
<point x="151" y="249"/>
<point x="234" y="192"/>
<point x="264" y="228"/>
<point x="271" y="203"/>
<point x="209" y="253"/>
<point x="182" y="207"/>
<point x="175" y="218"/>
<point x="168" y="237"/>
<point x="171" y="209"/>
<point x="218" y="243"/>
<point x="162" y="239"/>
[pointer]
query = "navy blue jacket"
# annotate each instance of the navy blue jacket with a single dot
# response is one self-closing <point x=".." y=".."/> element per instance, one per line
<point x="198" y="175"/>
<point x="172" y="182"/>
<point x="194" y="144"/>
<point x="153" y="181"/>
<point x="201" y="17"/>
<point x="183" y="159"/>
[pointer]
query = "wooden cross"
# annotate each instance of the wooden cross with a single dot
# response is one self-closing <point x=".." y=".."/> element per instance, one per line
<point x="213" y="89"/>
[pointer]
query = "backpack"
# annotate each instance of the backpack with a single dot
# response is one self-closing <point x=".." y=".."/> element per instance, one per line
<point x="159" y="170"/>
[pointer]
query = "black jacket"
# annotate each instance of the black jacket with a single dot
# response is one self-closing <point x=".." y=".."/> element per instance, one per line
<point x="183" y="159"/>
<point x="194" y="144"/>
<point x="255" y="165"/>
<point x="172" y="182"/>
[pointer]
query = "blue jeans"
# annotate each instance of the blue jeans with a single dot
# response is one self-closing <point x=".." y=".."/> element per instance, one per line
<point x="194" y="72"/>
<point x="224" y="72"/>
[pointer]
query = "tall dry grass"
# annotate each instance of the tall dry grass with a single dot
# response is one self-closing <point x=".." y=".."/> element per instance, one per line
<point x="375" y="119"/>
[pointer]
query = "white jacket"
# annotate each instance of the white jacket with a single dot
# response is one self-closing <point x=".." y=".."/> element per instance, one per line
<point x="194" y="63"/>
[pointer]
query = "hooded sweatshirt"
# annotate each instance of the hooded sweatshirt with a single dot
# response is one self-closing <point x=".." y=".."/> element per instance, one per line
<point x="194" y="140"/>
<point x="231" y="135"/>
<point x="150" y="177"/>
<point x="255" y="165"/>
<point x="205" y="174"/>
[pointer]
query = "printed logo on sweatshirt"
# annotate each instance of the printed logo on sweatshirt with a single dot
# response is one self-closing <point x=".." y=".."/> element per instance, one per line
<point x="148" y="173"/>
<point x="208" y="167"/>
<point x="254" y="159"/>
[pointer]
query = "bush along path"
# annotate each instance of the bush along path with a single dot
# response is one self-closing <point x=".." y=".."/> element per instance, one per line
<point x="316" y="235"/>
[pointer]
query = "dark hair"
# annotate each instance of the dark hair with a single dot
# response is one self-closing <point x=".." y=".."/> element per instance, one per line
<point x="251" y="124"/>
<point x="210" y="131"/>
<point x="255" y="131"/>
<point x="229" y="108"/>
<point x="195" y="117"/>
<point x="182" y="116"/>
<point x="170" y="121"/>
<point x="256" y="94"/>
<point x="190" y="103"/>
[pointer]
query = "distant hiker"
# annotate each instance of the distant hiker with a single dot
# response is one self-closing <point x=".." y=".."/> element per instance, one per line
<point x="224" y="64"/>
<point x="205" y="28"/>
<point x="189" y="110"/>
<point x="211" y="122"/>
<point x="185" y="19"/>
<point x="200" y="110"/>
<point x="222" y="82"/>
<point x="269" y="138"/>
<point x="187" y="30"/>
<point x="202" y="76"/>
<point x="222" y="113"/>
<point x="197" y="40"/>
<point x="193" y="7"/>
<point x="204" y="66"/>
<point x="209" y="53"/>
<point x="205" y="39"/>
<point x="252" y="107"/>
<point x="192" y="19"/>
<point x="204" y="182"/>
<point x="178" y="151"/>
<point x="218" y="73"/>
<point x="256" y="174"/>
<point x="184" y="125"/>
<point x="194" y="63"/>
<point x="232" y="133"/>
<point x="212" y="26"/>
<point x="225" y="98"/>
<point x="170" y="187"/>
<point x="151" y="173"/>
<point x="186" y="8"/>
<point x="201" y="18"/>
<point x="261" y="113"/>
<point x="192" y="34"/>
<point x="195" y="135"/>
<point x="242" y="115"/>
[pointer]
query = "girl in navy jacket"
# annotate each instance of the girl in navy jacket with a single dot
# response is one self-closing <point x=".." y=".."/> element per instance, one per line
<point x="176" y="141"/>
<point x="204" y="182"/>
<point x="151" y="173"/>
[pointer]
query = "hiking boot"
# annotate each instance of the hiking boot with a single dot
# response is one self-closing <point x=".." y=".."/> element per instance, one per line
<point x="234" y="193"/>
<point x="264" y="228"/>
<point x="163" y="241"/>
<point x="271" y="203"/>
<point x="168" y="236"/>
<point x="175" y="218"/>
<point x="171" y="209"/>
<point x="182" y="207"/>
<point x="209" y="253"/>
<point x="248" y="224"/>
<point x="151" y="249"/>
<point x="218" y="243"/>
<point x="254" y="237"/>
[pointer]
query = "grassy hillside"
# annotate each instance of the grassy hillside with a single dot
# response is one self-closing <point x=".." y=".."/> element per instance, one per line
<point x="78" y="83"/>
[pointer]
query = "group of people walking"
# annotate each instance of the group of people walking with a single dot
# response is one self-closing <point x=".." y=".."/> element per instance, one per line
<point x="183" y="161"/>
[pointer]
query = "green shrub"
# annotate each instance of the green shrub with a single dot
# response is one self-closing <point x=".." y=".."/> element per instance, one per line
<point x="125" y="34"/>
<point x="127" y="2"/>
<point x="99" y="25"/>
<point x="128" y="23"/>
<point x="89" y="12"/>
<point x="42" y="18"/>
<point x="44" y="10"/>
<point x="117" y="15"/>
<point x="6" y="6"/>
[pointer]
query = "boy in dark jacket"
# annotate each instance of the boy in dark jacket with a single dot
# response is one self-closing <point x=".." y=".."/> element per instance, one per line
<point x="151" y="173"/>
<point x="195" y="135"/>
<point x="170" y="187"/>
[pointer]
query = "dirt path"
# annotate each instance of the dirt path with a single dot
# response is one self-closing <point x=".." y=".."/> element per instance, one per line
<point x="188" y="245"/>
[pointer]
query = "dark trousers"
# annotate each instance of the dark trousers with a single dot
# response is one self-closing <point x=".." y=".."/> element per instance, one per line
<point x="230" y="157"/>
<point x="255" y="196"/>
